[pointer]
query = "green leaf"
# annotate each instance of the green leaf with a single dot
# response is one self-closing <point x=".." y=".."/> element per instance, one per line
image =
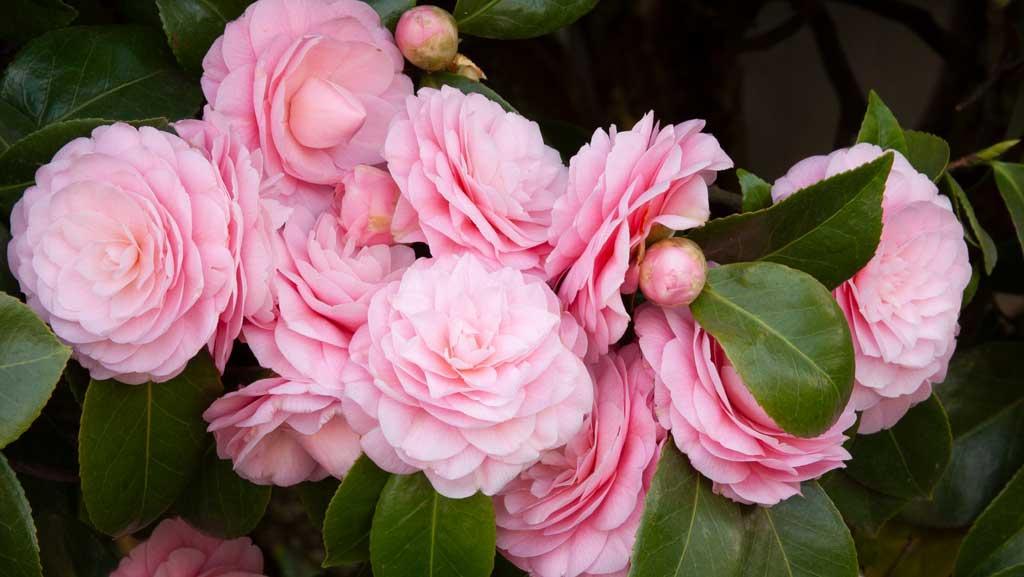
<point x="564" y="137"/>
<point x="686" y="530"/>
<point x="900" y="550"/>
<point x="881" y="127"/>
<point x="115" y="73"/>
<point x="985" y="403"/>
<point x="996" y="150"/>
<point x="192" y="26"/>
<point x="927" y="153"/>
<point x="13" y="125"/>
<point x="786" y="337"/>
<point x="467" y="86"/>
<point x="139" y="445"/>
<point x="350" y="514"/>
<point x="31" y="361"/>
<point x="69" y="548"/>
<point x="989" y="252"/>
<point x="390" y="10"/>
<point x="1010" y="182"/>
<point x="221" y="503"/>
<point x="316" y="496"/>
<point x="757" y="193"/>
<point x="829" y="230"/>
<point x="26" y="19"/>
<point x="908" y="459"/>
<point x="416" y="531"/>
<point x="861" y="507"/>
<point x="517" y="18"/>
<point x="803" y="536"/>
<point x="996" y="541"/>
<point x="19" y="549"/>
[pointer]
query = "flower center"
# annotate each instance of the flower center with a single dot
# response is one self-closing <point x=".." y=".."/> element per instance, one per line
<point x="324" y="115"/>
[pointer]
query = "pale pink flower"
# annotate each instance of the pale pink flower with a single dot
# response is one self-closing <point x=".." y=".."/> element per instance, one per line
<point x="577" y="511"/>
<point x="370" y="211"/>
<point x="313" y="83"/>
<point x="480" y="179"/>
<point x="903" y="305"/>
<point x="715" y="420"/>
<point x="322" y="287"/>
<point x="673" y="272"/>
<point x="124" y="246"/>
<point x="467" y="372"/>
<point x="620" y="185"/>
<point x="428" y="37"/>
<point x="282" y="432"/>
<point x="175" y="549"/>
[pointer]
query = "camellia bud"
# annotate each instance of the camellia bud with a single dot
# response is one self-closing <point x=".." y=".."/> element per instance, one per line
<point x="428" y="37"/>
<point x="673" y="272"/>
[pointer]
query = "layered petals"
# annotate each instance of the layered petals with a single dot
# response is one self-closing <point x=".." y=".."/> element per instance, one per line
<point x="175" y="549"/>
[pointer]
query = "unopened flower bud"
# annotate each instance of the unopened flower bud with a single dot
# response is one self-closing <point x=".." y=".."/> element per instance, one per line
<point x="673" y="272"/>
<point x="428" y="37"/>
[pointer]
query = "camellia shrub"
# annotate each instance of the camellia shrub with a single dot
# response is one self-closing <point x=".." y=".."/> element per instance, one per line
<point x="290" y="291"/>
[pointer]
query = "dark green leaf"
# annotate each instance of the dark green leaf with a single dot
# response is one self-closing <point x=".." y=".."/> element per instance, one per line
<point x="115" y="73"/>
<point x="504" y="568"/>
<point x="804" y="536"/>
<point x="989" y="252"/>
<point x="996" y="150"/>
<point x="350" y="514"/>
<point x="25" y="19"/>
<point x="927" y="153"/>
<point x="192" y="26"/>
<point x="860" y="506"/>
<point x="984" y="399"/>
<point x="19" y="549"/>
<point x="69" y="548"/>
<point x="881" y="127"/>
<point x="1010" y="182"/>
<point x="996" y="541"/>
<point x="31" y="360"/>
<point x="416" y="531"/>
<point x="139" y="445"/>
<point x="829" y="230"/>
<point x="900" y="550"/>
<point x="8" y="283"/>
<point x="686" y="530"/>
<point x="390" y="10"/>
<point x="757" y="193"/>
<point x="13" y="125"/>
<point x="316" y="496"/>
<point x="566" y="138"/>
<point x="907" y="460"/>
<point x="787" y="338"/>
<point x="439" y="79"/>
<point x="517" y="18"/>
<point x="221" y="503"/>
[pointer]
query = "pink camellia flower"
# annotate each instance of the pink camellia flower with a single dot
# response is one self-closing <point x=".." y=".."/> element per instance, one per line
<point x="673" y="272"/>
<point x="323" y="286"/>
<point x="313" y="83"/>
<point x="428" y="37"/>
<point x="620" y="185"/>
<point x="124" y="246"/>
<point x="283" y="432"/>
<point x="175" y="549"/>
<point x="715" y="420"/>
<point x="903" y="305"/>
<point x="467" y="372"/>
<point x="480" y="179"/>
<point x="577" y="511"/>
<point x="370" y="210"/>
<point x="251" y="228"/>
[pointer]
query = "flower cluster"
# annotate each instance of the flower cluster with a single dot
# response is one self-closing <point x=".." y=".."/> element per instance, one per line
<point x="290" y="218"/>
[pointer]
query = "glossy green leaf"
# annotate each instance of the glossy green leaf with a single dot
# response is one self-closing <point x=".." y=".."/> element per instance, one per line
<point x="881" y="127"/>
<point x="19" y="549"/>
<point x="416" y="531"/>
<point x="908" y="459"/>
<point x="927" y="153"/>
<point x="996" y="541"/>
<point x="861" y="507"/>
<point x="686" y="530"/>
<point x="25" y="19"/>
<point x="829" y="230"/>
<point x="439" y="79"/>
<point x="69" y="548"/>
<point x="390" y="10"/>
<point x="757" y="193"/>
<point x="221" y="503"/>
<point x="787" y="338"/>
<point x="140" y="445"/>
<point x="996" y="150"/>
<point x="984" y="399"/>
<point x="517" y="18"/>
<point x="192" y="26"/>
<point x="316" y="496"/>
<point x="1010" y="182"/>
<point x="115" y="73"/>
<point x="804" y="536"/>
<point x="989" y="252"/>
<point x="31" y="360"/>
<point x="901" y="550"/>
<point x="350" y="514"/>
<point x="13" y="125"/>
